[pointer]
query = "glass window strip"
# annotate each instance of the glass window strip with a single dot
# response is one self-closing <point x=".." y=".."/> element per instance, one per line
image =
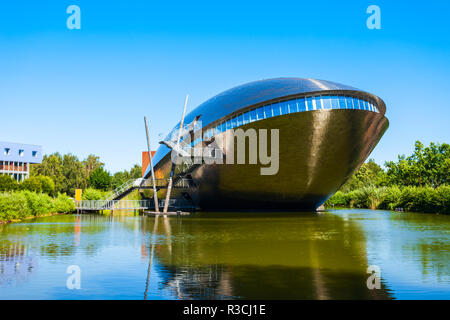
<point x="320" y="102"/>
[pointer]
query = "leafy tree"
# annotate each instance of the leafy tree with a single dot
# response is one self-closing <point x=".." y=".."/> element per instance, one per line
<point x="427" y="166"/>
<point x="369" y="174"/>
<point x="51" y="166"/>
<point x="121" y="177"/>
<point x="47" y="185"/>
<point x="73" y="173"/>
<point x="91" y="163"/>
<point x="39" y="184"/>
<point x="100" y="179"/>
<point x="7" y="183"/>
<point x="118" y="179"/>
<point x="31" y="184"/>
<point x="135" y="172"/>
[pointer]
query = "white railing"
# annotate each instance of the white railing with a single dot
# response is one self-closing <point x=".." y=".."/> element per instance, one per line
<point x="96" y="205"/>
<point x="124" y="187"/>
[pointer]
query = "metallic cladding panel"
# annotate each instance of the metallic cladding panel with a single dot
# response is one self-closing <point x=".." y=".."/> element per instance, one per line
<point x="319" y="150"/>
<point x="258" y="92"/>
<point x="14" y="156"/>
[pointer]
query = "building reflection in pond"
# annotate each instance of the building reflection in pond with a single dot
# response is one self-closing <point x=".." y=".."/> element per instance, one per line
<point x="16" y="265"/>
<point x="272" y="256"/>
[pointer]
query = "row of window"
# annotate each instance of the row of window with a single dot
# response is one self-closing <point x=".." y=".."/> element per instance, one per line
<point x="291" y="106"/>
<point x="7" y="152"/>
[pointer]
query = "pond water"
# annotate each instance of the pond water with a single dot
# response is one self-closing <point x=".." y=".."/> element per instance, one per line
<point x="228" y="256"/>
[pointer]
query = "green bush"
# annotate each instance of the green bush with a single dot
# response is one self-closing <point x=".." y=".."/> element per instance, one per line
<point x="444" y="199"/>
<point x="411" y="198"/>
<point x="13" y="206"/>
<point x="39" y="203"/>
<point x="22" y="204"/>
<point x="391" y="198"/>
<point x="7" y="183"/>
<point x="39" y="184"/>
<point x="63" y="204"/>
<point x="339" y="199"/>
<point x="93" y="194"/>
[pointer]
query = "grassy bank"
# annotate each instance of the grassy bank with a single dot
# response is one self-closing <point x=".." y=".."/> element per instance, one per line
<point x="416" y="199"/>
<point x="24" y="204"/>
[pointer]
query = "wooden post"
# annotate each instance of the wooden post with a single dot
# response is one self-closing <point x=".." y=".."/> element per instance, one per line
<point x="155" y="194"/>
<point x="169" y="186"/>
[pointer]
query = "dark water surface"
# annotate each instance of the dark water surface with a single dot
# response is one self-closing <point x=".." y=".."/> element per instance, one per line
<point x="228" y="255"/>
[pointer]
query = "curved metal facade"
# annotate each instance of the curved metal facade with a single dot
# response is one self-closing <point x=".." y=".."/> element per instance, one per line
<point x="318" y="149"/>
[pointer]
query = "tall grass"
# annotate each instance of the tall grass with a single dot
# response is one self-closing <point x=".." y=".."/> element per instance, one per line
<point x="418" y="199"/>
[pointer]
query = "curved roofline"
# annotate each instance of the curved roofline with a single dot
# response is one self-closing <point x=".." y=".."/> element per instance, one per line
<point x="261" y="92"/>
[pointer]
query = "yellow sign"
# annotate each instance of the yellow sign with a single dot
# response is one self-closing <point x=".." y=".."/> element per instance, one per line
<point x="78" y="193"/>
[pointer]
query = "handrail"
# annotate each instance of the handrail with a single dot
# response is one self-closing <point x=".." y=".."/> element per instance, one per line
<point x="136" y="183"/>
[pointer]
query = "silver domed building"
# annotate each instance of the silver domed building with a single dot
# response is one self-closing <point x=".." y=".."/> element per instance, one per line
<point x="326" y="131"/>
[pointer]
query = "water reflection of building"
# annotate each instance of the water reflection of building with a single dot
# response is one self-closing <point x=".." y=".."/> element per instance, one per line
<point x="286" y="258"/>
<point x="16" y="265"/>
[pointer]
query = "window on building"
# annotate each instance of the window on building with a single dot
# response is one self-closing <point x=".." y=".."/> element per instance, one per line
<point x="334" y="102"/>
<point x="363" y="104"/>
<point x="260" y="113"/>
<point x="21" y="152"/>
<point x="342" y="103"/>
<point x="246" y="118"/>
<point x="228" y="124"/>
<point x="326" y="102"/>
<point x="7" y="151"/>
<point x="240" y="120"/>
<point x="355" y="103"/>
<point x="293" y="106"/>
<point x="253" y="115"/>
<point x="309" y="104"/>
<point x="318" y="102"/>
<point x="276" y="109"/>
<point x="284" y="108"/>
<point x="301" y="104"/>
<point x="268" y="111"/>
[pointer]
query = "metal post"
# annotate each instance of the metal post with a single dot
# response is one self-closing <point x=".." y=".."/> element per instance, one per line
<point x="155" y="195"/>
<point x="169" y="186"/>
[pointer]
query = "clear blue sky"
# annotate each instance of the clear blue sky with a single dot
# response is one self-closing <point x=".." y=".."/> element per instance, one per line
<point x="86" y="91"/>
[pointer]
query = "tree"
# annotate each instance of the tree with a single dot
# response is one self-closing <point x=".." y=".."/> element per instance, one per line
<point x="369" y="174"/>
<point x="118" y="179"/>
<point x="91" y="163"/>
<point x="121" y="177"/>
<point x="39" y="184"/>
<point x="100" y="179"/>
<point x="427" y="166"/>
<point x="51" y="166"/>
<point x="74" y="178"/>
<point x="135" y="172"/>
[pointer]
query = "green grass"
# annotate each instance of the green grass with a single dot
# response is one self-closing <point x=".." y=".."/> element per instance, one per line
<point x="415" y="199"/>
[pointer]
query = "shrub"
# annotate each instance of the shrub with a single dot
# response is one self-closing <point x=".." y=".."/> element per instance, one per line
<point x="93" y="194"/>
<point x="39" y="203"/>
<point x="391" y="198"/>
<point x="411" y="198"/>
<point x="339" y="199"/>
<point x="444" y="199"/>
<point x="374" y="196"/>
<point x="7" y="183"/>
<point x="13" y="206"/>
<point x="63" y="204"/>
<point x="39" y="184"/>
